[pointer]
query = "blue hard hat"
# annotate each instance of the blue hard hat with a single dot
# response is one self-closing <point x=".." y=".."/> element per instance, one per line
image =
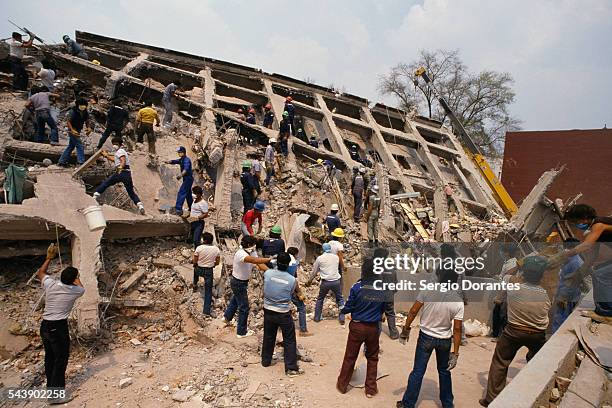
<point x="181" y="149"/>
<point x="326" y="247"/>
<point x="259" y="206"/>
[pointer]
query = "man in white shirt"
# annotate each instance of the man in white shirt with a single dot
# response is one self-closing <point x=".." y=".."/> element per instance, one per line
<point x="337" y="248"/>
<point x="60" y="296"/>
<point x="440" y="325"/>
<point x="205" y="258"/>
<point x="122" y="174"/>
<point x="16" y="50"/>
<point x="244" y="259"/>
<point x="199" y="211"/>
<point x="41" y="103"/>
<point x="47" y="76"/>
<point x="327" y="266"/>
<point x="269" y="158"/>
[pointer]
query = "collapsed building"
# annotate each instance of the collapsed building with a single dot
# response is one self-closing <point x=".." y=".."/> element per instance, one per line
<point x="412" y="157"/>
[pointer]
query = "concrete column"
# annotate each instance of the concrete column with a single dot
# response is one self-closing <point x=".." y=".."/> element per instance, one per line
<point x="335" y="138"/>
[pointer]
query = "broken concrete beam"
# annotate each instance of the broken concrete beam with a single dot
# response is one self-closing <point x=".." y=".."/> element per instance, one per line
<point x="185" y="272"/>
<point x="37" y="151"/>
<point x="25" y="248"/>
<point x="401" y="196"/>
<point x="135" y="277"/>
<point x="587" y="388"/>
<point x="164" y="262"/>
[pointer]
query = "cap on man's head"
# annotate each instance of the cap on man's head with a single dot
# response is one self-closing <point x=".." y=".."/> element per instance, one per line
<point x="181" y="149"/>
<point x="276" y="230"/>
<point x="259" y="206"/>
<point x="326" y="247"/>
<point x="65" y="38"/>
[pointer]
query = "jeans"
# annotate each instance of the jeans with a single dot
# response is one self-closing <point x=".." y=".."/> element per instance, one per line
<point x="269" y="172"/>
<point x="248" y="200"/>
<point x="561" y="314"/>
<point x="207" y="274"/>
<point x="167" y="111"/>
<point x="73" y="142"/>
<point x="197" y="227"/>
<point x="301" y="308"/>
<point x="146" y="129"/>
<point x="124" y="177"/>
<point x="272" y="322"/>
<point x="360" y="333"/>
<point x="336" y="288"/>
<point x="107" y="133"/>
<point x="43" y="117"/>
<point x="284" y="146"/>
<point x="56" y="340"/>
<point x="358" y="199"/>
<point x="20" y="75"/>
<point x="602" y="289"/>
<point x="425" y="346"/>
<point x="183" y="194"/>
<point x="373" y="228"/>
<point x="239" y="302"/>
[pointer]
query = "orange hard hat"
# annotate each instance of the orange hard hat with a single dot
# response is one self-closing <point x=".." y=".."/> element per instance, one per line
<point x="251" y="110"/>
<point x="289" y="99"/>
<point x="268" y="106"/>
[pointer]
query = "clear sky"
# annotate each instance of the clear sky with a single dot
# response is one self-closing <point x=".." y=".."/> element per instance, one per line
<point x="558" y="51"/>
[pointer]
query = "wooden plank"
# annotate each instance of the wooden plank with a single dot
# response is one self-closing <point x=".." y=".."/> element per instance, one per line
<point x="414" y="220"/>
<point x="87" y="163"/>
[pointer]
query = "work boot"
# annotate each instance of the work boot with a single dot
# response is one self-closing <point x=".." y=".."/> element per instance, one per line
<point x="96" y="196"/>
<point x="141" y="208"/>
<point x="305" y="333"/>
<point x="393" y="332"/>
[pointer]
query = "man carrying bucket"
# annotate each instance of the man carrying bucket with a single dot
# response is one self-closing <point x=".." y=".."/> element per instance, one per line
<point x="122" y="174"/>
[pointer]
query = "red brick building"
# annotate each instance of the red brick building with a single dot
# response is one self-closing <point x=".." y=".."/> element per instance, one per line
<point x="586" y="154"/>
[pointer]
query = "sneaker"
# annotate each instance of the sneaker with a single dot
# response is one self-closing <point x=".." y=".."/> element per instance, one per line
<point x="227" y="323"/>
<point x="294" y="373"/>
<point x="394" y="334"/>
<point x="60" y="401"/>
<point x="96" y="196"/>
<point x="248" y="334"/>
<point x="483" y="402"/>
<point x="305" y="333"/>
<point x="141" y="209"/>
<point x="341" y="322"/>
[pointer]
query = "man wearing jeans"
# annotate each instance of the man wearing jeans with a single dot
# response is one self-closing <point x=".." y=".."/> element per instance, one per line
<point x="60" y="296"/>
<point x="116" y="119"/>
<point x="79" y="117"/>
<point x="244" y="259"/>
<point x="205" y="258"/>
<point x="41" y="103"/>
<point x="440" y="325"/>
<point x="327" y="266"/>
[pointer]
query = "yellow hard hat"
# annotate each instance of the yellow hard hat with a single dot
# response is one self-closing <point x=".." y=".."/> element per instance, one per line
<point x="338" y="233"/>
<point x="454" y="226"/>
<point x="320" y="161"/>
<point x="95" y="62"/>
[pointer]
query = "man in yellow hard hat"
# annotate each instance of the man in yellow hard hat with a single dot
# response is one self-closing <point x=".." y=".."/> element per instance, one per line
<point x="337" y="248"/>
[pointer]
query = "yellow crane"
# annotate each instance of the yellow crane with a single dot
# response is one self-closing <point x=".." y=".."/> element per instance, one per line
<point x="473" y="151"/>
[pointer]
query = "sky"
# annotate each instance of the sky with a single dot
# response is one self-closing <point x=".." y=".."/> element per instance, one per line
<point x="559" y="52"/>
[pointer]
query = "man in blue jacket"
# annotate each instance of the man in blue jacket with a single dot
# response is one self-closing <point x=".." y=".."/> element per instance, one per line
<point x="184" y="192"/>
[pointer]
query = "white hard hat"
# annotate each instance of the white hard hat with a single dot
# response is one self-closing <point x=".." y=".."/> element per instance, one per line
<point x="362" y="170"/>
<point x="334" y="207"/>
<point x="272" y="140"/>
<point x="375" y="188"/>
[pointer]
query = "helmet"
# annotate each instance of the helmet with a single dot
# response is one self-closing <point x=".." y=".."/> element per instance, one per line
<point x="285" y="114"/>
<point x="65" y="38"/>
<point x="289" y="99"/>
<point x="268" y="106"/>
<point x="375" y="188"/>
<point x="240" y="110"/>
<point x="334" y="207"/>
<point x="353" y="147"/>
<point x="276" y="229"/>
<point x="95" y="62"/>
<point x="181" y="149"/>
<point x="259" y="206"/>
<point x="326" y="248"/>
<point x="272" y="140"/>
<point x="246" y="164"/>
<point x="320" y="161"/>
<point x="338" y="233"/>
<point x="251" y="110"/>
<point x="362" y="170"/>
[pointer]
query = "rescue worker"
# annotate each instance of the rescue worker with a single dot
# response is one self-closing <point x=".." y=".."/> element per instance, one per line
<point x="284" y="132"/>
<point x="199" y="212"/>
<point x="268" y="118"/>
<point x="168" y="99"/>
<point x="327" y="266"/>
<point x="313" y="141"/>
<point x="145" y="119"/>
<point x="241" y="114"/>
<point x="116" y="119"/>
<point x="78" y="118"/>
<point x="184" y="192"/>
<point x="298" y="298"/>
<point x="121" y="175"/>
<point x="250" y="188"/>
<point x="357" y="188"/>
<point x="372" y="215"/>
<point x="269" y="159"/>
<point x="16" y="51"/>
<point x="275" y="244"/>
<point x="74" y="48"/>
<point x="41" y="103"/>
<point x="337" y="248"/>
<point x="249" y="218"/>
<point x="332" y="221"/>
<point x="290" y="109"/>
<point x="250" y="118"/>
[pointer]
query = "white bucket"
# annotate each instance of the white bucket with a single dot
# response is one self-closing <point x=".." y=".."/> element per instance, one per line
<point x="95" y="218"/>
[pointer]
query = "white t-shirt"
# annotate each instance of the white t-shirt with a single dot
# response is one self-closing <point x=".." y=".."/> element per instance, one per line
<point x="198" y="209"/>
<point x="41" y="101"/>
<point x="16" y="49"/>
<point x="47" y="76"/>
<point x="438" y="312"/>
<point x="327" y="265"/>
<point x="336" y="246"/>
<point x="207" y="255"/>
<point x="242" y="270"/>
<point x="121" y="152"/>
<point x="256" y="166"/>
<point x="59" y="298"/>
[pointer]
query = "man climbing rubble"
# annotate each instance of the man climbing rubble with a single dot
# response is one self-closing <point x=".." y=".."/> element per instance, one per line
<point x="40" y="101"/>
<point x="244" y="259"/>
<point x="290" y="109"/>
<point x="269" y="159"/>
<point x="284" y="133"/>
<point x="279" y="288"/>
<point x="122" y="174"/>
<point x="145" y="119"/>
<point x="275" y="244"/>
<point x="373" y="215"/>
<point x="60" y="296"/>
<point x="332" y="221"/>
<point x="116" y="119"/>
<point x="327" y="266"/>
<point x="169" y="99"/>
<point x="199" y="212"/>
<point x="16" y="51"/>
<point x="268" y="118"/>
<point x="250" y="118"/>
<point x="249" y="218"/>
<point x="205" y="258"/>
<point x="250" y="186"/>
<point x="74" y="48"/>
<point x="77" y="119"/>
<point x="184" y="193"/>
<point x="358" y="186"/>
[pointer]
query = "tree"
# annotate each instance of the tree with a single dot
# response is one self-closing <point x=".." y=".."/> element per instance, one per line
<point x="481" y="101"/>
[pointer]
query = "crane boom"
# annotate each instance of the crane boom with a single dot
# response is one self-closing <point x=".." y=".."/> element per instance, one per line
<point x="501" y="194"/>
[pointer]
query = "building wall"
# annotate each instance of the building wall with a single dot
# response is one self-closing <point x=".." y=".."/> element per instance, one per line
<point x="587" y="155"/>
